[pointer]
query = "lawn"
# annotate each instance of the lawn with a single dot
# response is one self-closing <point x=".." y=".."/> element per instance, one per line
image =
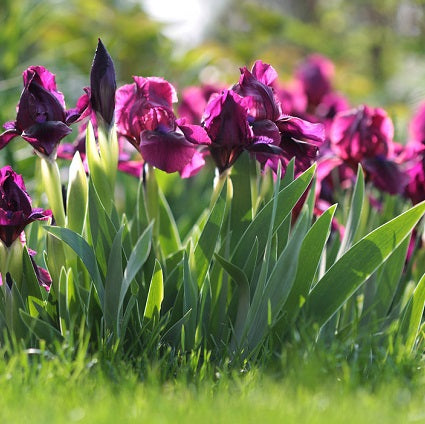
<point x="54" y="390"/>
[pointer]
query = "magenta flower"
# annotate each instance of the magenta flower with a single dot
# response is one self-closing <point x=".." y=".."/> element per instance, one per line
<point x="41" y="119"/>
<point x="299" y="139"/>
<point x="285" y="135"/>
<point x="15" y="206"/>
<point x="315" y="75"/>
<point x="415" y="189"/>
<point x="362" y="133"/>
<point x="146" y="119"/>
<point x="249" y="117"/>
<point x="417" y="126"/>
<point x="365" y="135"/>
<point x="257" y="86"/>
<point x="144" y="105"/>
<point x="194" y="101"/>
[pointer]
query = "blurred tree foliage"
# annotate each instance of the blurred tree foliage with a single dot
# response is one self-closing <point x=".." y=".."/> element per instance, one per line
<point x="377" y="44"/>
<point x="62" y="36"/>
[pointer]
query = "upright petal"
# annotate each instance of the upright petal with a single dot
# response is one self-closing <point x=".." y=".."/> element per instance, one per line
<point x="45" y="79"/>
<point x="226" y="120"/>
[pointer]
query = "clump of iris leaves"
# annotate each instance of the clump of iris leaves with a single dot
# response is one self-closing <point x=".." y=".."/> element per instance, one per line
<point x="251" y="280"/>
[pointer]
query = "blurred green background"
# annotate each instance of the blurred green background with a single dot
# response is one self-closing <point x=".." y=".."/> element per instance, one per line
<point x="377" y="45"/>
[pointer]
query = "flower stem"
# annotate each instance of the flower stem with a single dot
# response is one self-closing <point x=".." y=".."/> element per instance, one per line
<point x="52" y="186"/>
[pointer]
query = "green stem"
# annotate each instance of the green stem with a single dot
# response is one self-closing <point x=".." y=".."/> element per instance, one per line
<point x="52" y="185"/>
<point x="219" y="181"/>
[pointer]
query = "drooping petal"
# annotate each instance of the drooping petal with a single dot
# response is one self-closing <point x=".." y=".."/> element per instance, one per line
<point x="386" y="175"/>
<point x="169" y="151"/>
<point x="266" y="131"/>
<point x="8" y="135"/>
<point x="194" y="166"/>
<point x="302" y="130"/>
<point x="45" y="137"/>
<point x="193" y="133"/>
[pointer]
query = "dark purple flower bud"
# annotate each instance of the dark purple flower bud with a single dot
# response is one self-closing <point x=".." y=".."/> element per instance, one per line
<point x="103" y="84"/>
<point x="15" y="206"/>
<point x="43" y="276"/>
<point x="41" y="116"/>
<point x="361" y="133"/>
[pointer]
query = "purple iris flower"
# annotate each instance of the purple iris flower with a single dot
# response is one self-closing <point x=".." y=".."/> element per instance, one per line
<point x="315" y="75"/>
<point x="226" y="122"/>
<point x="415" y="189"/>
<point x="194" y="100"/>
<point x="361" y="133"/>
<point x="15" y="206"/>
<point x="41" y="119"/>
<point x="365" y="135"/>
<point x="257" y="85"/>
<point x="145" y="117"/>
<point x="285" y="136"/>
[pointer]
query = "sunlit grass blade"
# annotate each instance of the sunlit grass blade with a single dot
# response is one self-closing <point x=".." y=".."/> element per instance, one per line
<point x="412" y="316"/>
<point x="387" y="280"/>
<point x="155" y="294"/>
<point x="190" y="302"/>
<point x="169" y="238"/>
<point x="268" y="302"/>
<point x="241" y="208"/>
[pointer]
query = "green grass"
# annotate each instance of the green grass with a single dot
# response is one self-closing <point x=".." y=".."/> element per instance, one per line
<point x="61" y="391"/>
